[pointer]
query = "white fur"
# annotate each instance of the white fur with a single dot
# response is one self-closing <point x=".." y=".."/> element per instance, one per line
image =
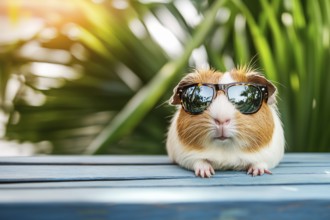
<point x="225" y="157"/>
<point x="223" y="111"/>
<point x="226" y="78"/>
<point x="221" y="108"/>
<point x="222" y="154"/>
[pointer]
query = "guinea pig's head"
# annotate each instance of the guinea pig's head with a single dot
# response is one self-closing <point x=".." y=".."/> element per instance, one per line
<point x="224" y="122"/>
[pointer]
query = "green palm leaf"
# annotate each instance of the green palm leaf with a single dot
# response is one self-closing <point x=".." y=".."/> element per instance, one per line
<point x="109" y="70"/>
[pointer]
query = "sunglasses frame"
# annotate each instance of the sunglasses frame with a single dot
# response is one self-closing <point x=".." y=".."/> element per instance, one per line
<point x="224" y="87"/>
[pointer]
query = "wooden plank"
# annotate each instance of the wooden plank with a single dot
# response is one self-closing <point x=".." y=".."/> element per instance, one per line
<point x="33" y="173"/>
<point x="61" y="173"/>
<point x="167" y="194"/>
<point x="139" y="160"/>
<point x="305" y="164"/>
<point x="14" y="173"/>
<point x="86" y="160"/>
<point x="241" y="180"/>
<point x="306" y="157"/>
<point x="302" y="210"/>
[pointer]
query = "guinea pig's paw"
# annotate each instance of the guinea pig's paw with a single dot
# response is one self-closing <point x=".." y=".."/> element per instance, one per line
<point x="203" y="169"/>
<point x="258" y="169"/>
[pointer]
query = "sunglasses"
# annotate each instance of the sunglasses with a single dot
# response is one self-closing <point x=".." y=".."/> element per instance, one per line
<point x="246" y="97"/>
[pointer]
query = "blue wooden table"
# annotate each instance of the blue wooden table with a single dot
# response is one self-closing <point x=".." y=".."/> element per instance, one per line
<point x="151" y="187"/>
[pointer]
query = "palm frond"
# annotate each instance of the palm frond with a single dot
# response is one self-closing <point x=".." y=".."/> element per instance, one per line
<point x="91" y="80"/>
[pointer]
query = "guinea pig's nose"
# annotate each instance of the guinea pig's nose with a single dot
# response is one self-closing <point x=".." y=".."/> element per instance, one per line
<point x="222" y="122"/>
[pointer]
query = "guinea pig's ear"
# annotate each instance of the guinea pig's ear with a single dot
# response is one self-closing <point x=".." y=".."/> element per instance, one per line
<point x="272" y="91"/>
<point x="188" y="79"/>
<point x="175" y="99"/>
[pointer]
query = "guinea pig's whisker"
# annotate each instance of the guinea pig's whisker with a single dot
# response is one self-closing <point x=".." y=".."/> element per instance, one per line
<point x="199" y="137"/>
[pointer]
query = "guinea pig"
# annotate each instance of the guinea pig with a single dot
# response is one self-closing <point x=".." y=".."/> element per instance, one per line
<point x="225" y="121"/>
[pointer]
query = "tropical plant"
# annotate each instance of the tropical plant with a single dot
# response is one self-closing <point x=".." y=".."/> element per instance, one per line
<point x="93" y="78"/>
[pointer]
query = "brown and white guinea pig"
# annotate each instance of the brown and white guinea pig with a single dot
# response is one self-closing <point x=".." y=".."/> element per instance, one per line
<point x="221" y="137"/>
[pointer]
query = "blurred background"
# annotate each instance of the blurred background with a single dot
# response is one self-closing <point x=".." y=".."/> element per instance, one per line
<point x="94" y="76"/>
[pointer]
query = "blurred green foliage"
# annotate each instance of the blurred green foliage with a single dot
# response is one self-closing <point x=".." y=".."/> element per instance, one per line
<point x="94" y="76"/>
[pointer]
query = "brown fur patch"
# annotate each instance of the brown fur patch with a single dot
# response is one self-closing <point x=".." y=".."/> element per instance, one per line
<point x="239" y="75"/>
<point x="193" y="129"/>
<point x="255" y="129"/>
<point x="201" y="76"/>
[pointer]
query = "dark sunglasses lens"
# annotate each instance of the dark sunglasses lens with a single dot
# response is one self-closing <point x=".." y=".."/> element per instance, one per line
<point x="246" y="98"/>
<point x="196" y="99"/>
